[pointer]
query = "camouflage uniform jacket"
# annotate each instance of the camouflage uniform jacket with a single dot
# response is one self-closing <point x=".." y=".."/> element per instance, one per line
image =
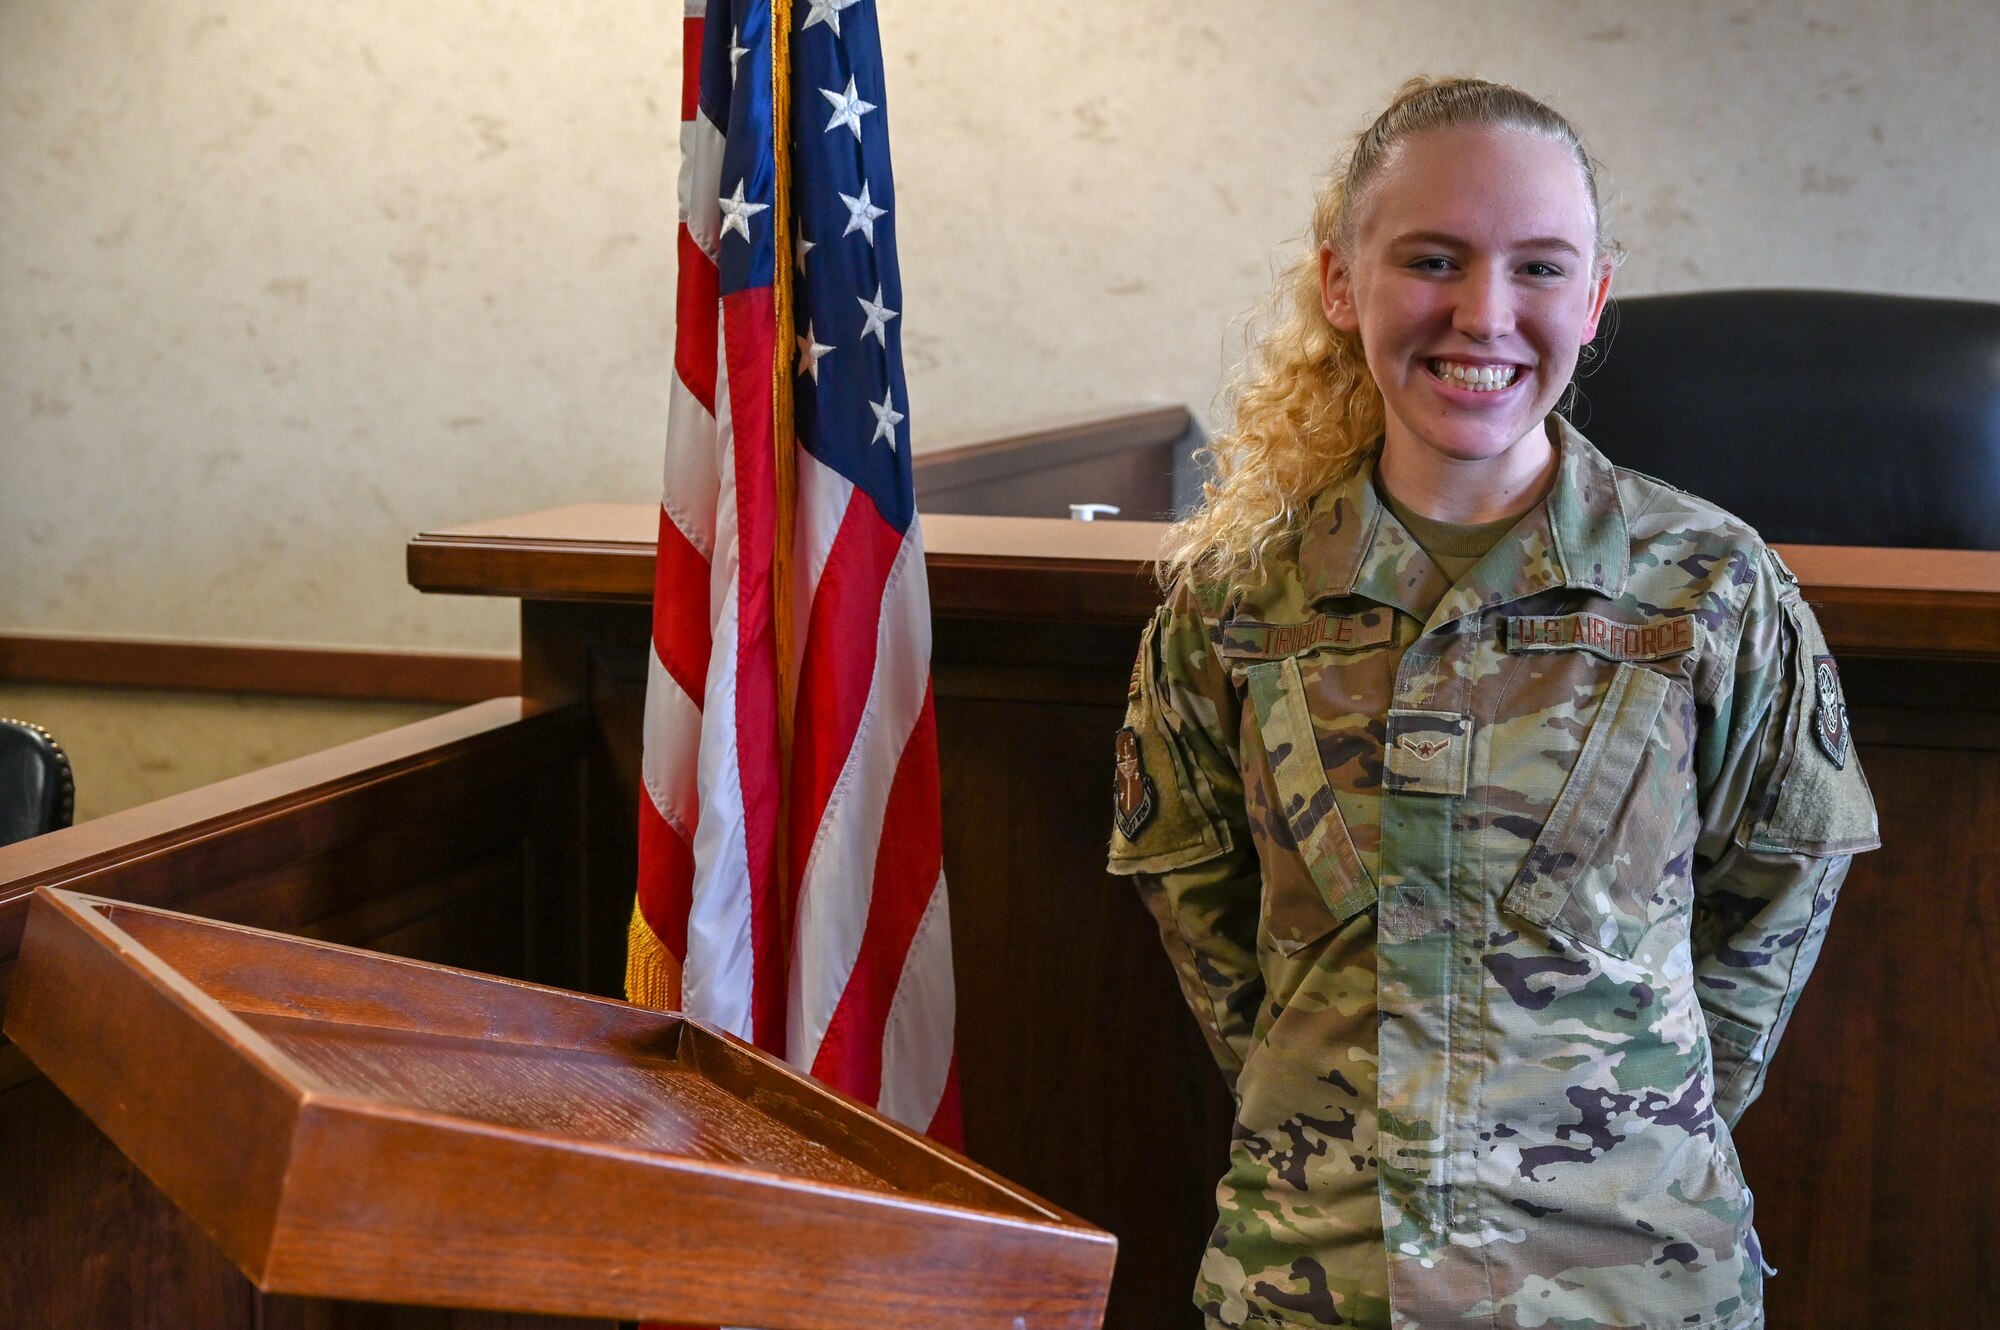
<point x="1493" y="899"/>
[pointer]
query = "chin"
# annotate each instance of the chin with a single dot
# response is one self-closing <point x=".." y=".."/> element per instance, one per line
<point x="1482" y="445"/>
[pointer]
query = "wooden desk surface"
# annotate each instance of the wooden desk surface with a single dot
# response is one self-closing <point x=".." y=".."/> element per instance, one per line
<point x="1875" y="602"/>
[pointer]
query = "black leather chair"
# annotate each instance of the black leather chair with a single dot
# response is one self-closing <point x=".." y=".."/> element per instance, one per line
<point x="37" y="790"/>
<point x="1819" y="417"/>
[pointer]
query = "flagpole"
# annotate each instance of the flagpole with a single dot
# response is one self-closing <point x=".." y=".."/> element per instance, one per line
<point x="783" y="439"/>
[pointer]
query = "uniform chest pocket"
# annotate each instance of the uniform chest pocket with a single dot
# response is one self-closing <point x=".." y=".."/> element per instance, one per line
<point x="1336" y="886"/>
<point x="1613" y="859"/>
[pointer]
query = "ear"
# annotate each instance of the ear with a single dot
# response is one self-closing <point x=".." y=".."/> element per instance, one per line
<point x="1600" y="294"/>
<point x="1336" y="291"/>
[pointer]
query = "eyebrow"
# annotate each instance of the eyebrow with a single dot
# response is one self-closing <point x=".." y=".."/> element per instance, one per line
<point x="1458" y="242"/>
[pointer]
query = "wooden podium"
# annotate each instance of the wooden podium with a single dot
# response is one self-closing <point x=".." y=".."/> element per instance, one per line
<point x="352" y="1125"/>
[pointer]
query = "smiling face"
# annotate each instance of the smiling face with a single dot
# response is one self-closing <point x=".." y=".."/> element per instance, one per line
<point x="1473" y="283"/>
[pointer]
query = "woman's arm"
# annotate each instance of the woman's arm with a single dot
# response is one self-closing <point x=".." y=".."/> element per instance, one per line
<point x="1180" y="830"/>
<point x="1784" y="807"/>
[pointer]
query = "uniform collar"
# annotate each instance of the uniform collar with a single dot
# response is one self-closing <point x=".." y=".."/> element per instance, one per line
<point x="1576" y="537"/>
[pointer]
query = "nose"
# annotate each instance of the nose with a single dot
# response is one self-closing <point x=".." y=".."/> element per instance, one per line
<point x="1485" y="310"/>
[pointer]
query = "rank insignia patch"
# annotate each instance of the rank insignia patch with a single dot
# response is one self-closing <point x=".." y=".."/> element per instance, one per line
<point x="1133" y="788"/>
<point x="1425" y="749"/>
<point x="1426" y="752"/>
<point x="1830" y="715"/>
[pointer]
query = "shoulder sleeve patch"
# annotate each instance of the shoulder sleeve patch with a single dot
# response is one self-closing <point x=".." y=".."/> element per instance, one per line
<point x="1137" y="798"/>
<point x="1819" y="802"/>
<point x="1165" y="814"/>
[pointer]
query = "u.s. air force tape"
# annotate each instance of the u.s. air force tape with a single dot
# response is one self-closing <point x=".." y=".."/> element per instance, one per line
<point x="1655" y="639"/>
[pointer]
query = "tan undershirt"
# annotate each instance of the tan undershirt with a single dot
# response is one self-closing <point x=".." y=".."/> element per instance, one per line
<point x="1452" y="547"/>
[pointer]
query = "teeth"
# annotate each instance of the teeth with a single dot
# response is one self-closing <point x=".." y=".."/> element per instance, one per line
<point x="1479" y="378"/>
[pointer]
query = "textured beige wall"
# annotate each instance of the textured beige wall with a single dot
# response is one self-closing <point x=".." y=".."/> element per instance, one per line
<point x="282" y="282"/>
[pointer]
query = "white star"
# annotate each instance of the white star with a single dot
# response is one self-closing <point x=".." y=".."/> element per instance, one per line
<point x="878" y="316"/>
<point x="810" y="350"/>
<point x="800" y="248"/>
<point x="827" y="12"/>
<point x="736" y="50"/>
<point x="861" y="214"/>
<point x="887" y="417"/>
<point x="848" y="108"/>
<point x="736" y="214"/>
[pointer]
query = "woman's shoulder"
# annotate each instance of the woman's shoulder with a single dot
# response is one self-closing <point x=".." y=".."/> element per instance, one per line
<point x="1671" y="526"/>
<point x="1690" y="556"/>
<point x="1272" y="592"/>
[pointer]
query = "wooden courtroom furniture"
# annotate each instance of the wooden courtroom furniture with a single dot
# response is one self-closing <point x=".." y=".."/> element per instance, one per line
<point x="501" y="838"/>
<point x="438" y="840"/>
<point x="1084" y="1078"/>
<point x="343" y="1122"/>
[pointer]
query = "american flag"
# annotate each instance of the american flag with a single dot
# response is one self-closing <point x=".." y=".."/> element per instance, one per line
<point x="809" y="918"/>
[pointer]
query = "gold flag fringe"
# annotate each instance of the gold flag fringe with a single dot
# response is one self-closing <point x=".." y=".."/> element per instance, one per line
<point x="652" y="976"/>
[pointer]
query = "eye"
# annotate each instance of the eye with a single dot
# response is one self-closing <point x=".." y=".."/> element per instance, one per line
<point x="1431" y="263"/>
<point x="1541" y="269"/>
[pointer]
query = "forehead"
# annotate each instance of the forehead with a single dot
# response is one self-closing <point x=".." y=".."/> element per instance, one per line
<point x="1488" y="185"/>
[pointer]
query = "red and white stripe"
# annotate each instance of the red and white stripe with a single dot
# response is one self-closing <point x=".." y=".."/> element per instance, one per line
<point x="870" y="1004"/>
<point x="849" y="975"/>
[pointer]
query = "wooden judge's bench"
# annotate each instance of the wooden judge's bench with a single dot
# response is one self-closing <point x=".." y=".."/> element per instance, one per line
<point x="502" y="838"/>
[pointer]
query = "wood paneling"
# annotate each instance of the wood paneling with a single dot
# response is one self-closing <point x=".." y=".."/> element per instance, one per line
<point x="1871" y="1150"/>
<point x="1082" y="1075"/>
<point x="289" y="819"/>
<point x="89" y="1242"/>
<point x="423" y="841"/>
<point x="338" y="672"/>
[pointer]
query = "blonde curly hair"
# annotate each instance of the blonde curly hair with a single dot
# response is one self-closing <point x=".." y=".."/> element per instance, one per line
<point x="1304" y="411"/>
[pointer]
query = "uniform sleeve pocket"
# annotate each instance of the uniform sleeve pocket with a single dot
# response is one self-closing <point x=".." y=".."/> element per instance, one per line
<point x="1166" y="814"/>
<point x="1305" y="800"/>
<point x="1821" y="803"/>
<point x="1603" y="869"/>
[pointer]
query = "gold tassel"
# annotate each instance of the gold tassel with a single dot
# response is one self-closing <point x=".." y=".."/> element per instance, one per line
<point x="652" y="976"/>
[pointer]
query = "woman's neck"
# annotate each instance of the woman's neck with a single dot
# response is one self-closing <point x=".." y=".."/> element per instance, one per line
<point x="1469" y="493"/>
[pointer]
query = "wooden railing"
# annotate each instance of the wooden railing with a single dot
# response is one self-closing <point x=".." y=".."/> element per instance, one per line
<point x="449" y="840"/>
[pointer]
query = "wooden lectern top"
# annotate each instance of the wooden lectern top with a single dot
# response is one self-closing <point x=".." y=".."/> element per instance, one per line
<point x="353" y="1125"/>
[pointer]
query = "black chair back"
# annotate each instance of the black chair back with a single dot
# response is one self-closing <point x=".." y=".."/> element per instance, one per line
<point x="37" y="789"/>
<point x="1819" y="417"/>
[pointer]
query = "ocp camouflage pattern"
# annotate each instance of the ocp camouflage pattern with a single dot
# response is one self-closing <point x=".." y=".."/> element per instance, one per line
<point x="1493" y="938"/>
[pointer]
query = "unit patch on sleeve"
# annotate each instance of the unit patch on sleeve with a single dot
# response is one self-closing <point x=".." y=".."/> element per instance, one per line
<point x="1830" y="715"/>
<point x="1672" y="635"/>
<point x="1247" y="639"/>
<point x="1134" y="792"/>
